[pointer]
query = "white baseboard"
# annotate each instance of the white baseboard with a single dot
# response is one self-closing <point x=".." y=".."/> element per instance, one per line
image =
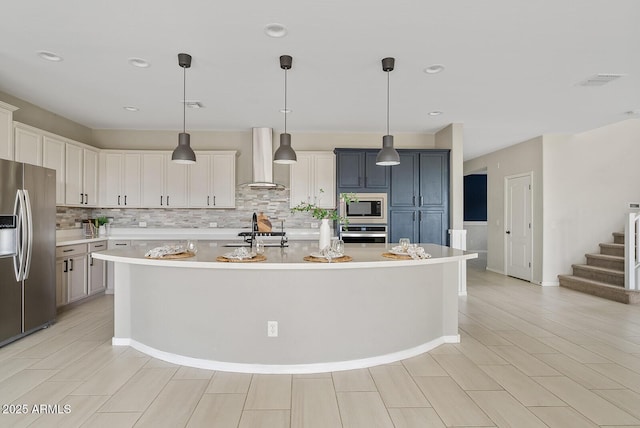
<point x="495" y="271"/>
<point x="549" y="283"/>
<point x="284" y="368"/>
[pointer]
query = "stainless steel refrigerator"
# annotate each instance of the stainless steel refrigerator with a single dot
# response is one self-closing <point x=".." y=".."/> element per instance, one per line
<point x="27" y="249"/>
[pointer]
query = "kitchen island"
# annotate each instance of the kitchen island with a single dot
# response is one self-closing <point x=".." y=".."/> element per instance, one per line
<point x="330" y="316"/>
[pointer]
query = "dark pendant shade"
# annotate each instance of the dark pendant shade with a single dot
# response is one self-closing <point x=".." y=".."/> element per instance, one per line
<point x="183" y="153"/>
<point x="285" y="154"/>
<point x="388" y="156"/>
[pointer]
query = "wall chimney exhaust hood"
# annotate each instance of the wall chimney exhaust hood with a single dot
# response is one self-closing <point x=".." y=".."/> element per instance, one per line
<point x="263" y="160"/>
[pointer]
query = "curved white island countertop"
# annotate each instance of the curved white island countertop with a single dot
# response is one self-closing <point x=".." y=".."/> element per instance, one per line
<point x="331" y="316"/>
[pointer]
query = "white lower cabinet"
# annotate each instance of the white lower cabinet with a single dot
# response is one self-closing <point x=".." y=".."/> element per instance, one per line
<point x="78" y="275"/>
<point x="97" y="276"/>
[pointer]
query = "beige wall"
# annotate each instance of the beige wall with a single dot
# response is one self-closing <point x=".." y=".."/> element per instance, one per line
<point x="451" y="137"/>
<point x="241" y="141"/>
<point x="518" y="159"/>
<point x="43" y="119"/>
<point x="589" y="179"/>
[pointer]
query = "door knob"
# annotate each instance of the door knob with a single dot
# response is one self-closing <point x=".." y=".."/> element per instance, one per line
<point x="508" y="232"/>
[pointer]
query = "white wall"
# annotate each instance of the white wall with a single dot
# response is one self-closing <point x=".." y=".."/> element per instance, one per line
<point x="451" y="137"/>
<point x="589" y="179"/>
<point x="521" y="158"/>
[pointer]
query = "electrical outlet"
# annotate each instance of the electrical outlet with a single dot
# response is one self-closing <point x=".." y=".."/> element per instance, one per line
<point x="213" y="224"/>
<point x="272" y="328"/>
<point x="142" y="224"/>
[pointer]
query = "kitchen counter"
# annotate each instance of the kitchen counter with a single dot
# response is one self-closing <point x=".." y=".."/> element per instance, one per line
<point x="76" y="236"/>
<point x="202" y="313"/>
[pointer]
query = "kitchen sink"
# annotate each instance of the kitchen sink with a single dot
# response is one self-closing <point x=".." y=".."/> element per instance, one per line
<point x="246" y="244"/>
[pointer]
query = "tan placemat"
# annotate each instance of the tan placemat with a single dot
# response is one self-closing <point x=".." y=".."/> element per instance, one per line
<point x="396" y="256"/>
<point x="256" y="258"/>
<point x="325" y="260"/>
<point x="184" y="255"/>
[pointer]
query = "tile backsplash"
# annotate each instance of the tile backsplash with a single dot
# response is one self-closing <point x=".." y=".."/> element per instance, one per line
<point x="274" y="203"/>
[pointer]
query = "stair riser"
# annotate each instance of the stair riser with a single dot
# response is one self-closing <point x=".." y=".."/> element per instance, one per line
<point x="611" y="251"/>
<point x="599" y="276"/>
<point x="615" y="295"/>
<point x="608" y="264"/>
<point x="618" y="239"/>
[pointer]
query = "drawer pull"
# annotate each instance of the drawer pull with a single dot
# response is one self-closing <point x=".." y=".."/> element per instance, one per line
<point x="121" y="244"/>
<point x="68" y="251"/>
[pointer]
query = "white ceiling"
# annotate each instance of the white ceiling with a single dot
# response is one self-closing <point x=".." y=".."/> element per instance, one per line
<point x="512" y="67"/>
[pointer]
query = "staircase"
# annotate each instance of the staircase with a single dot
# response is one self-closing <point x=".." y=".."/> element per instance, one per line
<point x="603" y="275"/>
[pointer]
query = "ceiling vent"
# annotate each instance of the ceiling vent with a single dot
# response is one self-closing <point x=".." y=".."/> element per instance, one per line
<point x="600" y="79"/>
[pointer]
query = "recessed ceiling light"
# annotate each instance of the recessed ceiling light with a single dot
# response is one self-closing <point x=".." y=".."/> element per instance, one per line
<point x="49" y="56"/>
<point x="130" y="108"/>
<point x="285" y="110"/>
<point x="275" y="30"/>
<point x="139" y="62"/>
<point x="434" y="113"/>
<point x="433" y="69"/>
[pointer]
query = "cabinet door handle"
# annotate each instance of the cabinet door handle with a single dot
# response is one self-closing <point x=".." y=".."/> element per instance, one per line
<point x="86" y="198"/>
<point x="118" y="199"/>
<point x="414" y="216"/>
<point x="81" y="198"/>
<point x="167" y="200"/>
<point x="66" y="266"/>
<point x="413" y="200"/>
<point x="207" y="200"/>
<point x="125" y="199"/>
<point x="161" y="199"/>
<point x="421" y="200"/>
<point x="71" y="262"/>
<point x="214" y="200"/>
<point x="420" y="216"/>
<point x="90" y="261"/>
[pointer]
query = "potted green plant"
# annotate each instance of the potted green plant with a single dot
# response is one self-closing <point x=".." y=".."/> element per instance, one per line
<point x="324" y="215"/>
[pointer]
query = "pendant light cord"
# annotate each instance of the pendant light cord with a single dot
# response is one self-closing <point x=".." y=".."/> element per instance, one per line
<point x="184" y="99"/>
<point x="285" y="100"/>
<point x="387" y="103"/>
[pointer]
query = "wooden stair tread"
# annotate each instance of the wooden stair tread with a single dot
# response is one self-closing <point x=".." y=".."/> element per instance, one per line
<point x="612" y="245"/>
<point x="599" y="269"/>
<point x="591" y="281"/>
<point x="600" y="289"/>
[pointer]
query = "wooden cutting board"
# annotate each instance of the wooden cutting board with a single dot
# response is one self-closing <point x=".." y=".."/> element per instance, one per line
<point x="264" y="225"/>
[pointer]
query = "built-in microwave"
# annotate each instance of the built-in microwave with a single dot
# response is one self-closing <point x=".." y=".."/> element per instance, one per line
<point x="367" y="208"/>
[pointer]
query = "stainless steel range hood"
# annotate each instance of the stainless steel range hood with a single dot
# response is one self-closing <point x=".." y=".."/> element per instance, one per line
<point x="263" y="160"/>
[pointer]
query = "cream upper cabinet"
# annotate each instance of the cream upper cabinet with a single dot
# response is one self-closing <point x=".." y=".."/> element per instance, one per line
<point x="164" y="183"/>
<point x="6" y="131"/>
<point x="81" y="176"/>
<point x="313" y="179"/>
<point x="120" y="182"/>
<point x="28" y="144"/>
<point x="212" y="180"/>
<point x="53" y="156"/>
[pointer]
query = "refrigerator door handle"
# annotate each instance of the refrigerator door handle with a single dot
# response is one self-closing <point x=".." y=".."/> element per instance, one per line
<point x="29" y="225"/>
<point x="17" y="259"/>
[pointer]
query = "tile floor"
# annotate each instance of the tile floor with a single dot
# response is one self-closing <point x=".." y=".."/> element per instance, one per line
<point x="529" y="357"/>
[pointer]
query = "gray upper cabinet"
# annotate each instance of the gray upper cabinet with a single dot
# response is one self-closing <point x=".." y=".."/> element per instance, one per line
<point x="357" y="171"/>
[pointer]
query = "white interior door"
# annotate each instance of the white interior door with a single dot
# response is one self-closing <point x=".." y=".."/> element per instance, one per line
<point x="518" y="231"/>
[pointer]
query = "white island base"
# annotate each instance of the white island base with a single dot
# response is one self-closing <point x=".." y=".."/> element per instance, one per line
<point x="339" y="316"/>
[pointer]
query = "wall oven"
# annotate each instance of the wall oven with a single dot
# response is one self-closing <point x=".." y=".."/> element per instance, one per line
<point x="369" y="208"/>
<point x="364" y="234"/>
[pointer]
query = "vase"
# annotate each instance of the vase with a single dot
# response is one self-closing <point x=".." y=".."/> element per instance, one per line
<point x="325" y="234"/>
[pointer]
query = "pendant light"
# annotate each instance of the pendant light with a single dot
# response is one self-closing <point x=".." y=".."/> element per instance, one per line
<point x="388" y="155"/>
<point x="184" y="153"/>
<point x="285" y="154"/>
